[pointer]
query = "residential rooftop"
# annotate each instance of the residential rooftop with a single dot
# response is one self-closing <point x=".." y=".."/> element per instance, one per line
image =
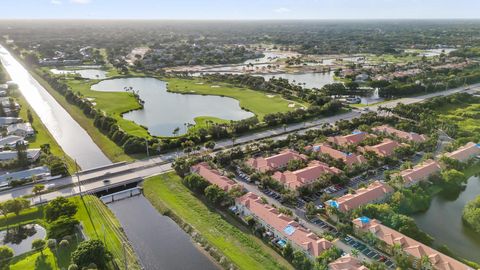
<point x="274" y="162"/>
<point x="410" y="246"/>
<point x="305" y="176"/>
<point x="410" y="136"/>
<point x="348" y="158"/>
<point x="284" y="224"/>
<point x="354" y="138"/>
<point x="420" y="172"/>
<point x="465" y="152"/>
<point x="214" y="177"/>
<point x="376" y="191"/>
<point x="383" y="149"/>
<point x="346" y="262"/>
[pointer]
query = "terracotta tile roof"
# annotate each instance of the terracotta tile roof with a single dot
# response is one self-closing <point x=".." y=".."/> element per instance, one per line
<point x="285" y="225"/>
<point x="420" y="172"/>
<point x="305" y="176"/>
<point x="465" y="152"/>
<point x="349" y="158"/>
<point x="354" y="138"/>
<point x="346" y="262"/>
<point x="411" y="136"/>
<point x="409" y="246"/>
<point x="213" y="176"/>
<point x="274" y="162"/>
<point x="374" y="192"/>
<point x="383" y="149"/>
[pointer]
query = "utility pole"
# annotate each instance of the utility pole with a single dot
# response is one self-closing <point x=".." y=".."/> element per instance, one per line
<point x="146" y="146"/>
<point x="125" y="256"/>
<point x="78" y="179"/>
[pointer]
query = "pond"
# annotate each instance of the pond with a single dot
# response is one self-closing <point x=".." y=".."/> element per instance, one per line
<point x="443" y="221"/>
<point x="20" y="238"/>
<point x="164" y="111"/>
<point x="84" y="73"/>
<point x="158" y="241"/>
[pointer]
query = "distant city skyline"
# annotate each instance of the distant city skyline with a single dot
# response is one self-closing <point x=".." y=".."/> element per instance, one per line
<point x="239" y="9"/>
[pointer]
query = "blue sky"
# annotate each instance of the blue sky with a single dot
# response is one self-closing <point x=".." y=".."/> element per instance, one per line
<point x="238" y="9"/>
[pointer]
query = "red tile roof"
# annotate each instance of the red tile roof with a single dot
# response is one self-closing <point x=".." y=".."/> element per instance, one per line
<point x="374" y="192"/>
<point x="409" y="246"/>
<point x="354" y="138"/>
<point x="285" y="225"/>
<point x="421" y="172"/>
<point x="305" y="176"/>
<point x="274" y="162"/>
<point x="411" y="136"/>
<point x="346" y="262"/>
<point x="213" y="176"/>
<point x="349" y="158"/>
<point x="465" y="152"/>
<point x="383" y="149"/>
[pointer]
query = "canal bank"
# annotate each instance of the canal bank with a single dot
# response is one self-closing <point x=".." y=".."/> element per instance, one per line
<point x="159" y="242"/>
<point x="71" y="137"/>
<point x="443" y="221"/>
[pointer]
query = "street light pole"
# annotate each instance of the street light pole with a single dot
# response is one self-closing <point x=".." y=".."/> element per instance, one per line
<point x="146" y="145"/>
<point x="78" y="179"/>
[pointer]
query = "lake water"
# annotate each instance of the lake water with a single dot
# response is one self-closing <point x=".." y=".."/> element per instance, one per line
<point x="164" y="111"/>
<point x="84" y="73"/>
<point x="157" y="240"/>
<point x="20" y="238"/>
<point x="443" y="221"/>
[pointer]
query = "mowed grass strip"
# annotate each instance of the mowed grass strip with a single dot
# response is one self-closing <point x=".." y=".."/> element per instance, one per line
<point x="242" y="248"/>
<point x="257" y="102"/>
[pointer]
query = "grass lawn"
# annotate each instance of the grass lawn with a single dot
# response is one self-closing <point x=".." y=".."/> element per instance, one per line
<point x="100" y="223"/>
<point x="112" y="103"/>
<point x="255" y="101"/>
<point x="36" y="261"/>
<point x="111" y="150"/>
<point x="466" y="116"/>
<point x="166" y="192"/>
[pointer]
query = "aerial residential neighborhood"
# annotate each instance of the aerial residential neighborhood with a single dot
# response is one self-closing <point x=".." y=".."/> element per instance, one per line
<point x="239" y="135"/>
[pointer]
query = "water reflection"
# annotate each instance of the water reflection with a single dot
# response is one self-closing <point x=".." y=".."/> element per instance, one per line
<point x="20" y="238"/>
<point x="164" y="111"/>
<point x="443" y="221"/>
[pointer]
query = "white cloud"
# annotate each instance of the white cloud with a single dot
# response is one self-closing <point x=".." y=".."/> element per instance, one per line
<point x="81" y="1"/>
<point x="56" y="2"/>
<point x="282" y="10"/>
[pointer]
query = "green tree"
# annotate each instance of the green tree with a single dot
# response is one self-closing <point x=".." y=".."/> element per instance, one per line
<point x="6" y="253"/>
<point x="471" y="214"/>
<point x="453" y="177"/>
<point x="39" y="245"/>
<point x="60" y="207"/>
<point x="62" y="227"/>
<point x="90" y="251"/>
<point x="17" y="205"/>
<point x="288" y="251"/>
<point x="214" y="194"/>
<point x="29" y="116"/>
<point x="300" y="261"/>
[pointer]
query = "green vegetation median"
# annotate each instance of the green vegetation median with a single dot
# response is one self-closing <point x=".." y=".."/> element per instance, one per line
<point x="168" y="194"/>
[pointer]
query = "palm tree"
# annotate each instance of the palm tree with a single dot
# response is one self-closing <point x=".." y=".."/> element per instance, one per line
<point x="175" y="131"/>
<point x="425" y="262"/>
<point x="355" y="252"/>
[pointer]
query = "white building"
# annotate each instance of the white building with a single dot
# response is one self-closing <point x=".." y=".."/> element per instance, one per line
<point x="41" y="173"/>
<point x="32" y="155"/>
<point x="11" y="141"/>
<point x="21" y="129"/>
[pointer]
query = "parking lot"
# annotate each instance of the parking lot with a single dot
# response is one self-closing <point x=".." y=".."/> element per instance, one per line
<point x="367" y="251"/>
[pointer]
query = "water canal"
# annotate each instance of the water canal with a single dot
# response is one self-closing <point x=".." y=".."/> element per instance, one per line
<point x="158" y="241"/>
